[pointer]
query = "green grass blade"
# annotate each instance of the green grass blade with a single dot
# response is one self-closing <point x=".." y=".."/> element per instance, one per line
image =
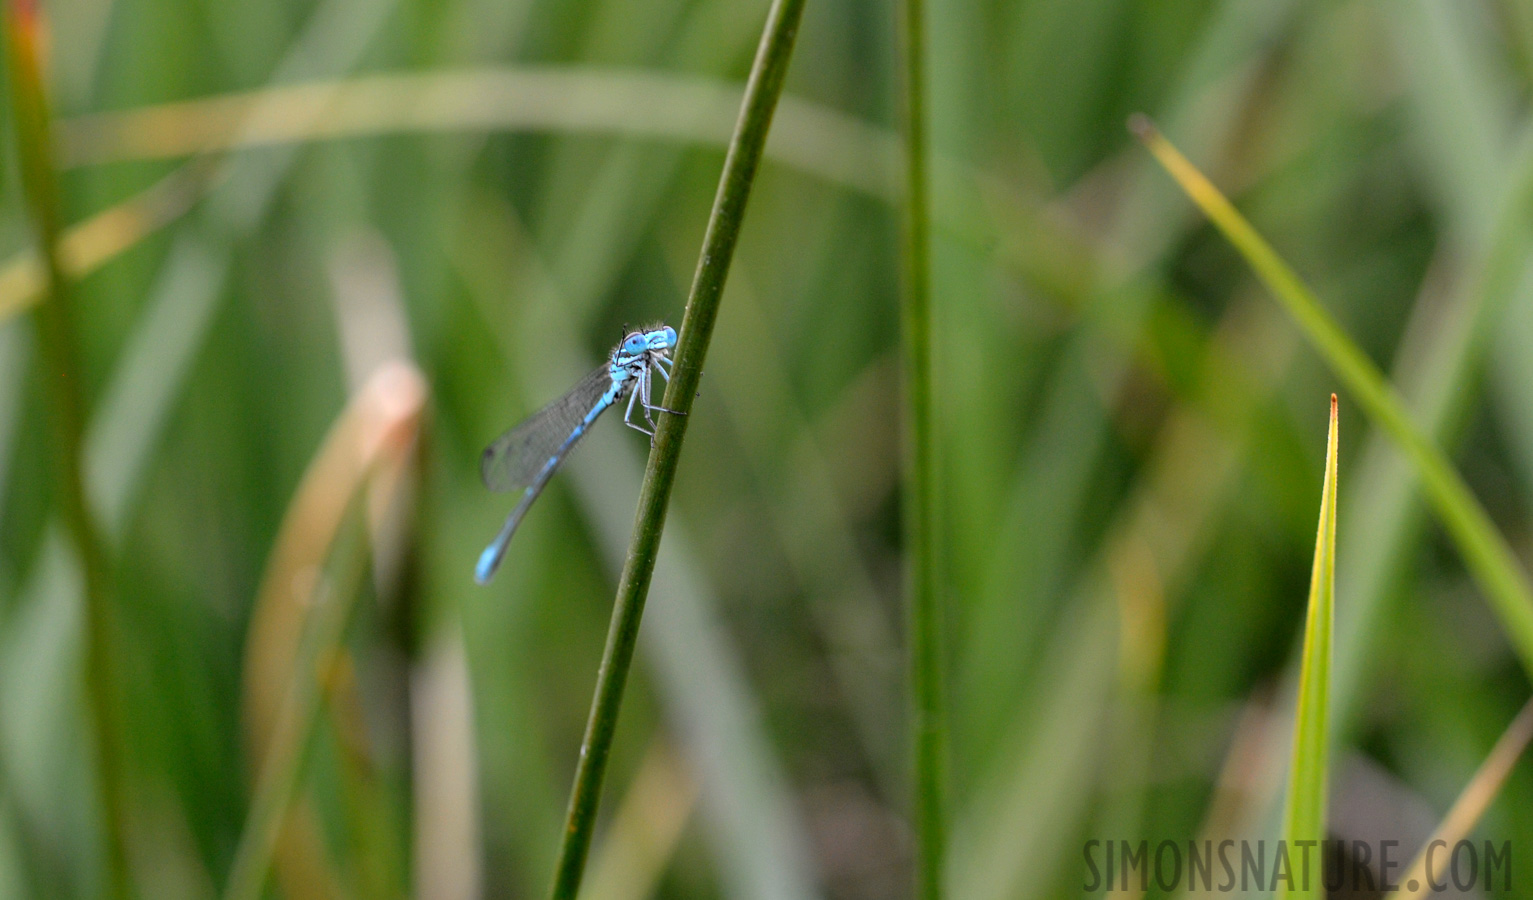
<point x="919" y="496"/>
<point x="1304" y="819"/>
<point x="1487" y="555"/>
<point x="281" y="769"/>
<point x="1439" y="358"/>
<point x="740" y="165"/>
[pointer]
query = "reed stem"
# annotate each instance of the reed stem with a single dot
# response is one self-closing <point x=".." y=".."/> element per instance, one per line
<point x="744" y="156"/>
<point x="918" y="500"/>
<point x="59" y="358"/>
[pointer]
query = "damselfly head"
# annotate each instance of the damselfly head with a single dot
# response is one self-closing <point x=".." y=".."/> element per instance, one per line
<point x="660" y="338"/>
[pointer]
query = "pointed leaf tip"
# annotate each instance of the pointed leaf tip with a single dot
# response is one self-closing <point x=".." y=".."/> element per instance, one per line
<point x="25" y="20"/>
<point x="25" y="10"/>
<point x="1142" y="128"/>
<point x="1305" y="815"/>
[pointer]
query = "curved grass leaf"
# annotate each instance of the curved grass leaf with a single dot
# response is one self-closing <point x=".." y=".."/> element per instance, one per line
<point x="299" y="615"/>
<point x="1487" y="555"/>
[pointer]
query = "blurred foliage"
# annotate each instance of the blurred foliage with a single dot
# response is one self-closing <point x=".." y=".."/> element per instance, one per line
<point x="1127" y="428"/>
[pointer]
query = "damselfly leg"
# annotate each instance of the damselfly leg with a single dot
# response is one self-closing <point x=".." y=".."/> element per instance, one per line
<point x="628" y="417"/>
<point x="643" y="394"/>
<point x="648" y="381"/>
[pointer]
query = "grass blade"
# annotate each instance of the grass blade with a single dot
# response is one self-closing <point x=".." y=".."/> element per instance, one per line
<point x="1304" y="820"/>
<point x="1487" y="555"/>
<point x="132" y="414"/>
<point x="1467" y="809"/>
<point x="744" y="156"/>
<point x="646" y="829"/>
<point x="563" y="99"/>
<point x="87" y="246"/>
<point x="292" y="640"/>
<point x="919" y="496"/>
<point x="57" y="350"/>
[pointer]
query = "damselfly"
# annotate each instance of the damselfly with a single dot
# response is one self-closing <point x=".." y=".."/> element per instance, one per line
<point x="527" y="456"/>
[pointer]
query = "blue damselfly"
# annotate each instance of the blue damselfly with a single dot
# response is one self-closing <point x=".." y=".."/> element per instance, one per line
<point x="526" y="457"/>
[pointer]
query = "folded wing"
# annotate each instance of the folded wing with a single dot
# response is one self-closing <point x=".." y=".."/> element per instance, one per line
<point x="514" y="460"/>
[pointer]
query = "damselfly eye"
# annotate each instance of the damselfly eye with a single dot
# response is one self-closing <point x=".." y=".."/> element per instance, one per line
<point x="635" y="343"/>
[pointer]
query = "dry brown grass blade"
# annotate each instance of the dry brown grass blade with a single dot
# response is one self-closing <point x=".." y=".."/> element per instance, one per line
<point x="1468" y="808"/>
<point x="555" y="98"/>
<point x="446" y="841"/>
<point x="85" y="247"/>
<point x="370" y="444"/>
<point x="645" y="830"/>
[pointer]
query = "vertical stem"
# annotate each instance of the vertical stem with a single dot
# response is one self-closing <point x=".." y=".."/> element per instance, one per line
<point x="919" y="497"/>
<point x="744" y="155"/>
<point x="57" y="353"/>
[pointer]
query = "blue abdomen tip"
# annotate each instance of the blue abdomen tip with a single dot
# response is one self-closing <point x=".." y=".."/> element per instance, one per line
<point x="488" y="561"/>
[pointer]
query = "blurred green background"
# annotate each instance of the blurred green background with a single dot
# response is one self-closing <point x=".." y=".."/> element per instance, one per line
<point x="1131" y="433"/>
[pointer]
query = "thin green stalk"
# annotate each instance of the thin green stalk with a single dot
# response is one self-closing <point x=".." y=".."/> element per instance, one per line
<point x="928" y="720"/>
<point x="744" y="155"/>
<point x="57" y="353"/>
<point x="1487" y="555"/>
